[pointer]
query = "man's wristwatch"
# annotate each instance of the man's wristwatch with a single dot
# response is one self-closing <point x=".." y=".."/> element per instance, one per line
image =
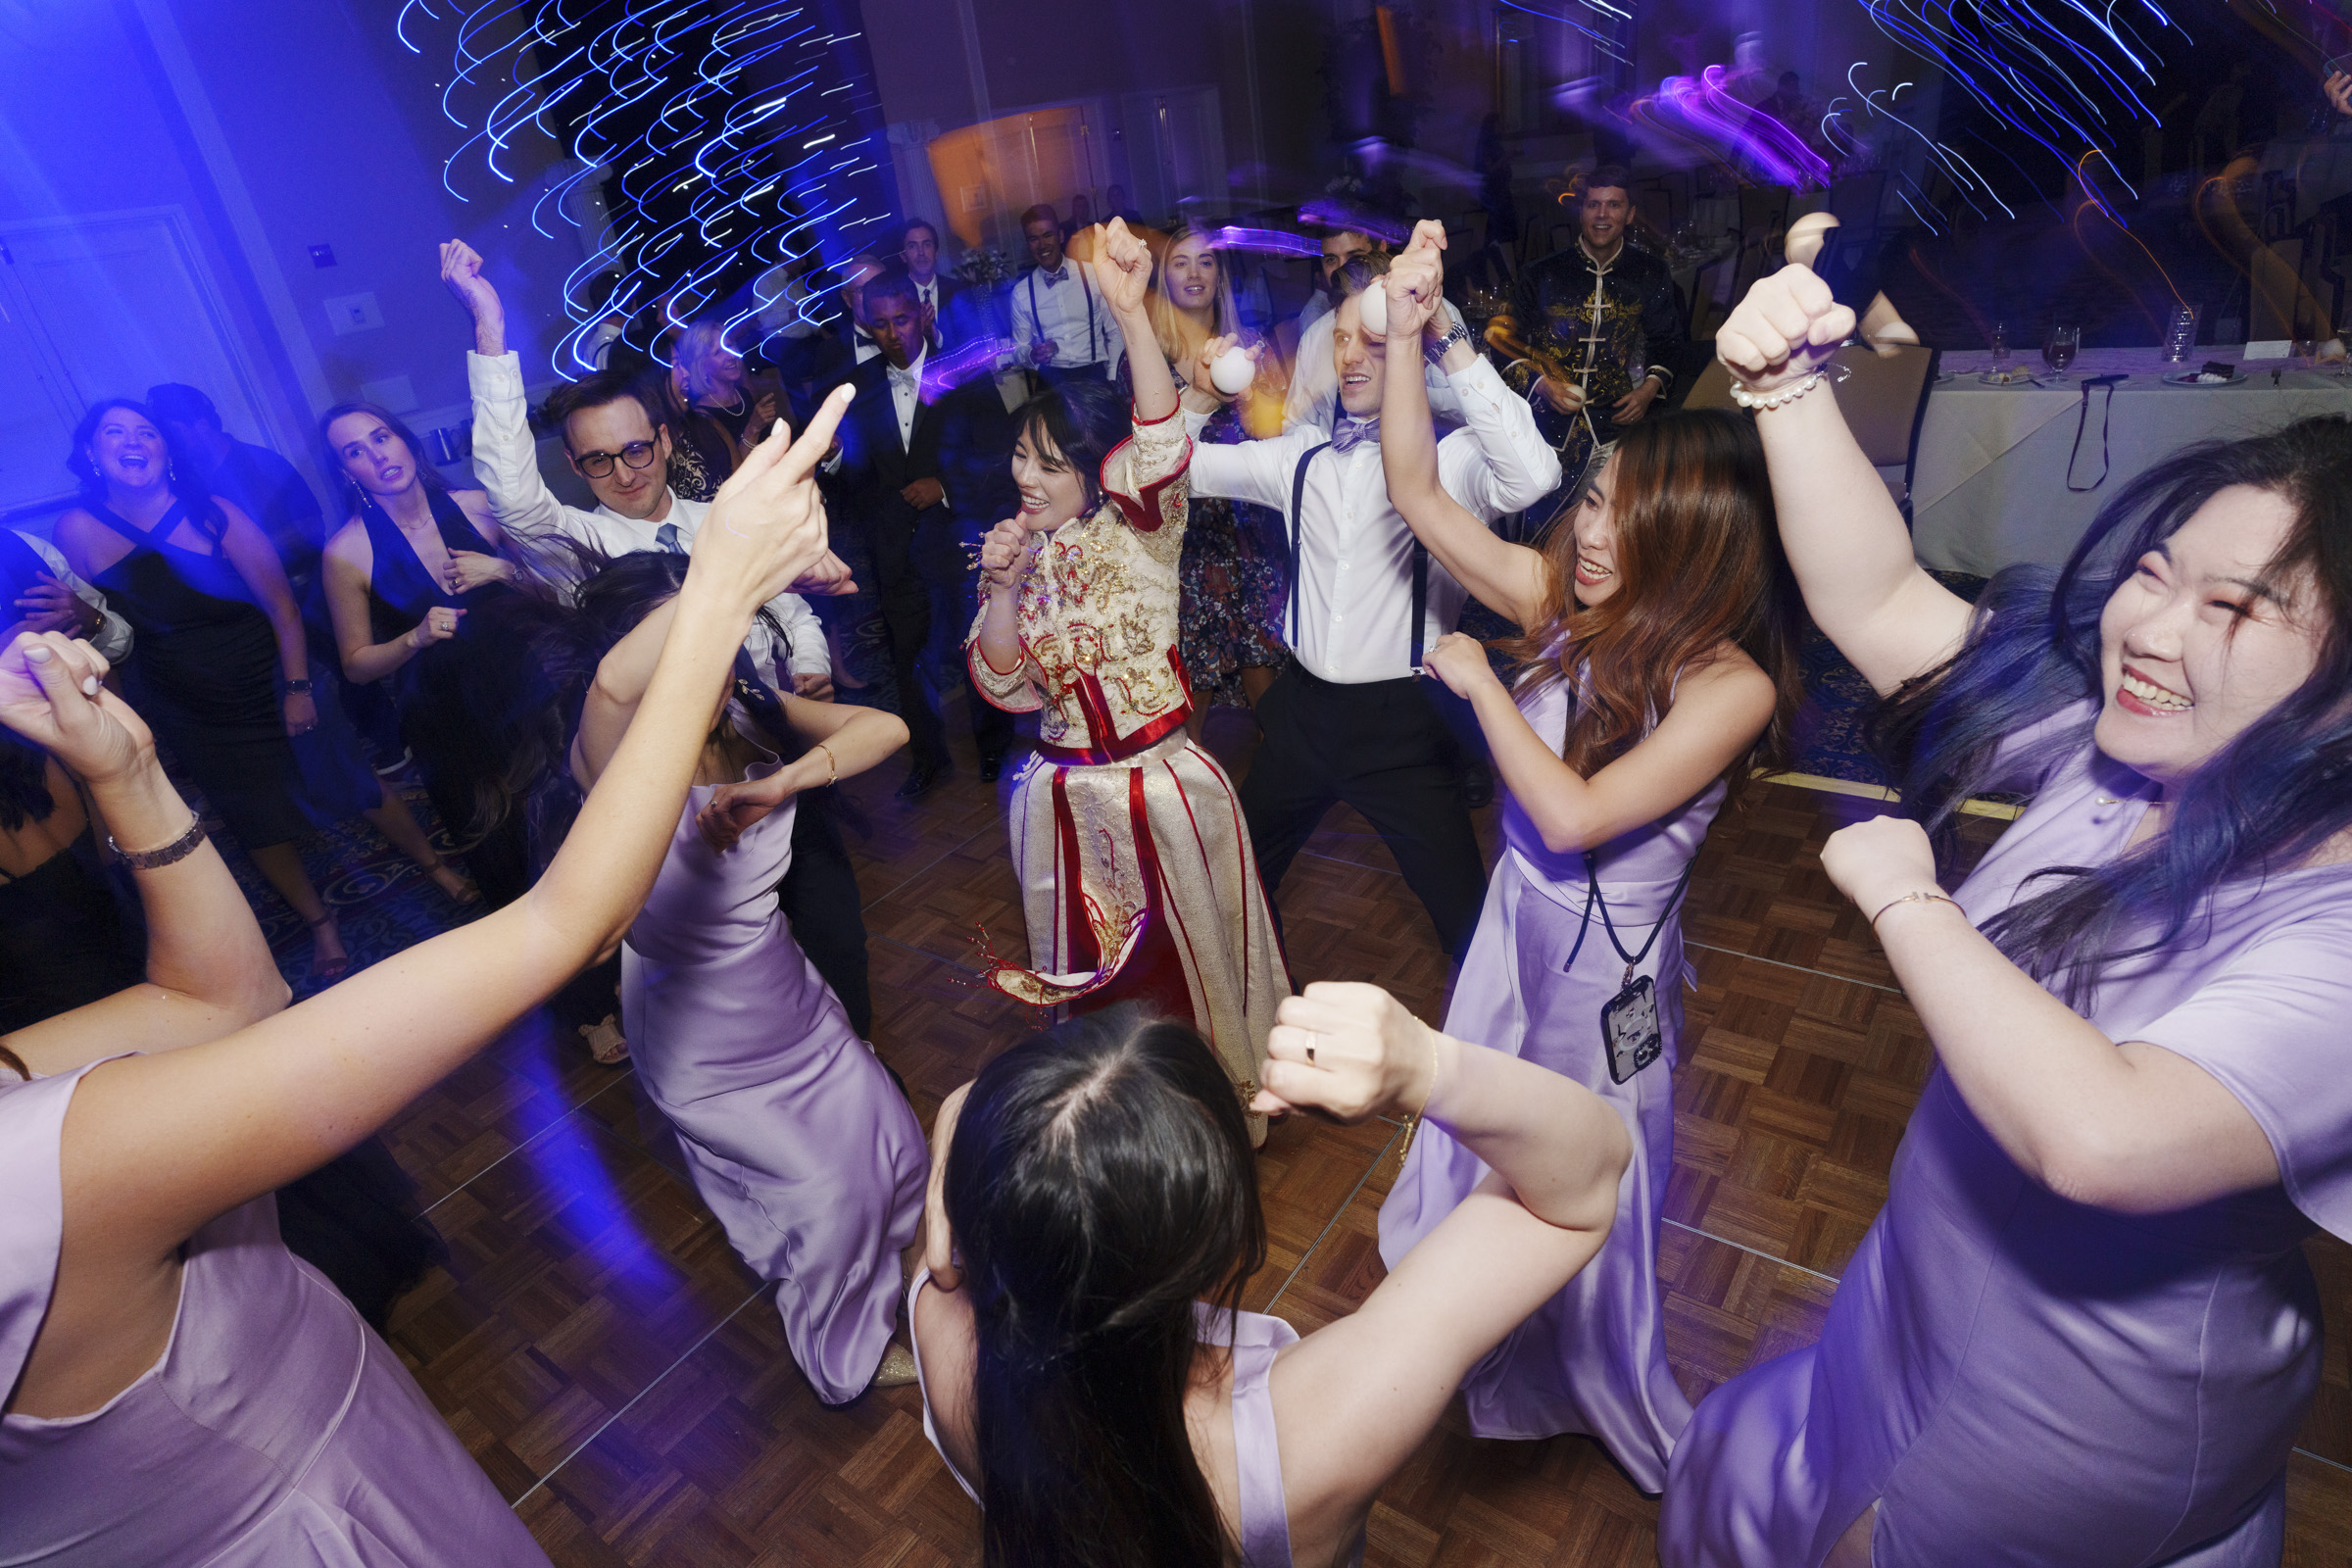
<point x="1434" y="352"/>
<point x="299" y="688"/>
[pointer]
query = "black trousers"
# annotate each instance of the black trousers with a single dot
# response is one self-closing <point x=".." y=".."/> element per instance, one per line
<point x="824" y="906"/>
<point x="1383" y="748"/>
<point x="913" y="563"/>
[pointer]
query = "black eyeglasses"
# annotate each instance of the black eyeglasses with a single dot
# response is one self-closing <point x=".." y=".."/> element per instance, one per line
<point x="596" y="465"/>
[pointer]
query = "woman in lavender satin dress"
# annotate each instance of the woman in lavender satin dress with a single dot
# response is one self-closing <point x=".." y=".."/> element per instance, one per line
<point x="179" y="1388"/>
<point x="2081" y="1330"/>
<point x="788" y="1122"/>
<point x="1658" y="604"/>
<point x="1087" y="1375"/>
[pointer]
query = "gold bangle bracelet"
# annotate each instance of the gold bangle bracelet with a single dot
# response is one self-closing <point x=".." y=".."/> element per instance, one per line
<point x="832" y="763"/>
<point x="1917" y="896"/>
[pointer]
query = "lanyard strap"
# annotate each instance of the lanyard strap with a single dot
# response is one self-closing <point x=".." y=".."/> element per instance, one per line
<point x="1632" y="959"/>
<point x="2082" y="423"/>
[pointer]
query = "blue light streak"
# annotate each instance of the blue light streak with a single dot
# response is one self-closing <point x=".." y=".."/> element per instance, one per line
<point x="723" y="116"/>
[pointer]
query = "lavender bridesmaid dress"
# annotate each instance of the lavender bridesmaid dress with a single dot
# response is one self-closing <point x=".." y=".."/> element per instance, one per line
<point x="2016" y="1379"/>
<point x="275" y="1431"/>
<point x="1593" y="1357"/>
<point x="788" y="1124"/>
<point x="1265" y="1515"/>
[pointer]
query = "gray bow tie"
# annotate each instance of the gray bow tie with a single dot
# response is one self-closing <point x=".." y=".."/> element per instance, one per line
<point x="1351" y="431"/>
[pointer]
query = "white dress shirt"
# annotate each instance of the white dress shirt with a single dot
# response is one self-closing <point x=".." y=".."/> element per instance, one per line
<point x="112" y="640"/>
<point x="929" y="294"/>
<point x="905" y="388"/>
<point x="1314" y="396"/>
<point x="506" y="458"/>
<point x="1353" y="597"/>
<point x="1068" y="313"/>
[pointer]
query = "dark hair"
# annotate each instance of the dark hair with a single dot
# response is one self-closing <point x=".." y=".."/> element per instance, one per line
<point x="181" y="403"/>
<point x="1699" y="564"/>
<point x="893" y="284"/>
<point x="179" y="474"/>
<point x="23" y="782"/>
<point x="1075" y="426"/>
<point x="2262" y="803"/>
<point x="923" y="223"/>
<point x="517" y="720"/>
<point x="598" y="391"/>
<point x="1039" y="214"/>
<point x="1612" y="176"/>
<point x="427" y="474"/>
<point x="1099" y="1183"/>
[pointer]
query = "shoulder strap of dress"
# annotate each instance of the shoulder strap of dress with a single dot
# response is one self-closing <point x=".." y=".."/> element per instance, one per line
<point x="32" y="1119"/>
<point x="118" y="523"/>
<point x="1262" y="1508"/>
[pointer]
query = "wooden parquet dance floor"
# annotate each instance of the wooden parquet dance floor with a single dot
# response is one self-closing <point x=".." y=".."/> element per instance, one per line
<point x="597" y="1347"/>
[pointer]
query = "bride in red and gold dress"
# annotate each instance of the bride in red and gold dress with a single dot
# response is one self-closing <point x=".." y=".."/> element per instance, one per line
<point x="1136" y="873"/>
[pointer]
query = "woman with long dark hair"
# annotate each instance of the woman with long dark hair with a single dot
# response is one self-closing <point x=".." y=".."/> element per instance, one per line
<point x="1087" y="1373"/>
<point x="222" y="668"/>
<point x="1158" y="897"/>
<point x="788" y="1122"/>
<point x="2081" y="1329"/>
<point x="1657" y="673"/>
<point x="178" y="1388"/>
<point x="406" y="578"/>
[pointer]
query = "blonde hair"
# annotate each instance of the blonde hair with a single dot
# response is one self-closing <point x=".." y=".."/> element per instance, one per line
<point x="1180" y="339"/>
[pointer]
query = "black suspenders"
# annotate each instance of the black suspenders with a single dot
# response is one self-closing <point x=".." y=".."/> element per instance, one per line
<point x="1038" y="323"/>
<point x="1420" y="601"/>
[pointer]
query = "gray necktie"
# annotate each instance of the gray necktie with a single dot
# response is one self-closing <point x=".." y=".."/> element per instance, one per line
<point x="667" y="537"/>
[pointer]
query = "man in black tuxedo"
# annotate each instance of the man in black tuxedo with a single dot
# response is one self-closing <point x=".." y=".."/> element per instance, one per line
<point x="925" y="469"/>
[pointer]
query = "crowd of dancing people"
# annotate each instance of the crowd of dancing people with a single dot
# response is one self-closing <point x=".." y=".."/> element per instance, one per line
<point x="2079" y="1331"/>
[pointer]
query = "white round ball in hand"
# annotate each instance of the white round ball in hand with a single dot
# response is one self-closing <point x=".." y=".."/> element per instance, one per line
<point x="1373" y="305"/>
<point x="1234" y="372"/>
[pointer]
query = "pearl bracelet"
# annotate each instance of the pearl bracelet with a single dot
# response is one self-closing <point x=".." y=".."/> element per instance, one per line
<point x="1773" y="400"/>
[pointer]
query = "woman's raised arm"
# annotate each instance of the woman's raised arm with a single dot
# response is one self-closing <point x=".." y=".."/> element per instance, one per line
<point x="209" y="971"/>
<point x="1361" y="1393"/>
<point x="1509" y="580"/>
<point x="1846" y="540"/>
<point x="1123" y="273"/>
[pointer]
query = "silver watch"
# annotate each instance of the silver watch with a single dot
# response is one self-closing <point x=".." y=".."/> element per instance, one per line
<point x="1434" y="352"/>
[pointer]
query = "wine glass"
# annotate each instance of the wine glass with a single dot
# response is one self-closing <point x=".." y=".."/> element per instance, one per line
<point x="2000" y="345"/>
<point x="2065" y="342"/>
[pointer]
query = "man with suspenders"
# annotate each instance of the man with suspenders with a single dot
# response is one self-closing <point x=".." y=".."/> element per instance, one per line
<point x="1061" y="328"/>
<point x="1348" y="720"/>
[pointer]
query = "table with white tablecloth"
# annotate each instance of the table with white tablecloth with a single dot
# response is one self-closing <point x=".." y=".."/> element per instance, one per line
<point x="1990" y="488"/>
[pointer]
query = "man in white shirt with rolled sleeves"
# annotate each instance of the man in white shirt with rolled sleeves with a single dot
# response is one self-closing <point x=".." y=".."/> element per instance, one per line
<point x="1348" y="720"/>
<point x="617" y="443"/>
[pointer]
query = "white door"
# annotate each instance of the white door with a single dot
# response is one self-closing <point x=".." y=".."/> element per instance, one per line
<point x="103" y="305"/>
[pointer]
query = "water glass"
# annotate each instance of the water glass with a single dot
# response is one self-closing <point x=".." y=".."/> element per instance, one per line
<point x="2065" y="342"/>
<point x="2180" y="342"/>
<point x="2001" y="345"/>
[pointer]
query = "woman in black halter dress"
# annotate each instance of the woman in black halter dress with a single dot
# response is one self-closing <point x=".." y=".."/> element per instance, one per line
<point x="221" y="670"/>
<point x="416" y="585"/>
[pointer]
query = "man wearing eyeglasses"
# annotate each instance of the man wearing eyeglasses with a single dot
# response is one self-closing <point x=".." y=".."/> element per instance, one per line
<point x="615" y="441"/>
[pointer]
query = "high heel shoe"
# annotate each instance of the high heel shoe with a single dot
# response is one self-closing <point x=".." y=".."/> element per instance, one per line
<point x="464" y="894"/>
<point x="897" y="1370"/>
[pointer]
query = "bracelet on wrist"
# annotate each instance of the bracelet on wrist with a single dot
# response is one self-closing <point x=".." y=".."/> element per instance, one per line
<point x="179" y="849"/>
<point x="300" y="687"/>
<point x="1916" y="896"/>
<point x="832" y="765"/>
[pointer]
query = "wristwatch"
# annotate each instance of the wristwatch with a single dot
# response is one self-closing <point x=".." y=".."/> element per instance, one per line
<point x="299" y="688"/>
<point x="1434" y="352"/>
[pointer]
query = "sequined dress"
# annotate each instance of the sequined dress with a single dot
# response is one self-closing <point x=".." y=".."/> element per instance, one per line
<point x="1137" y="878"/>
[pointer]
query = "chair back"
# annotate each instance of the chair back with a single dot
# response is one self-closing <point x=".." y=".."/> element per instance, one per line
<point x="1884" y="398"/>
